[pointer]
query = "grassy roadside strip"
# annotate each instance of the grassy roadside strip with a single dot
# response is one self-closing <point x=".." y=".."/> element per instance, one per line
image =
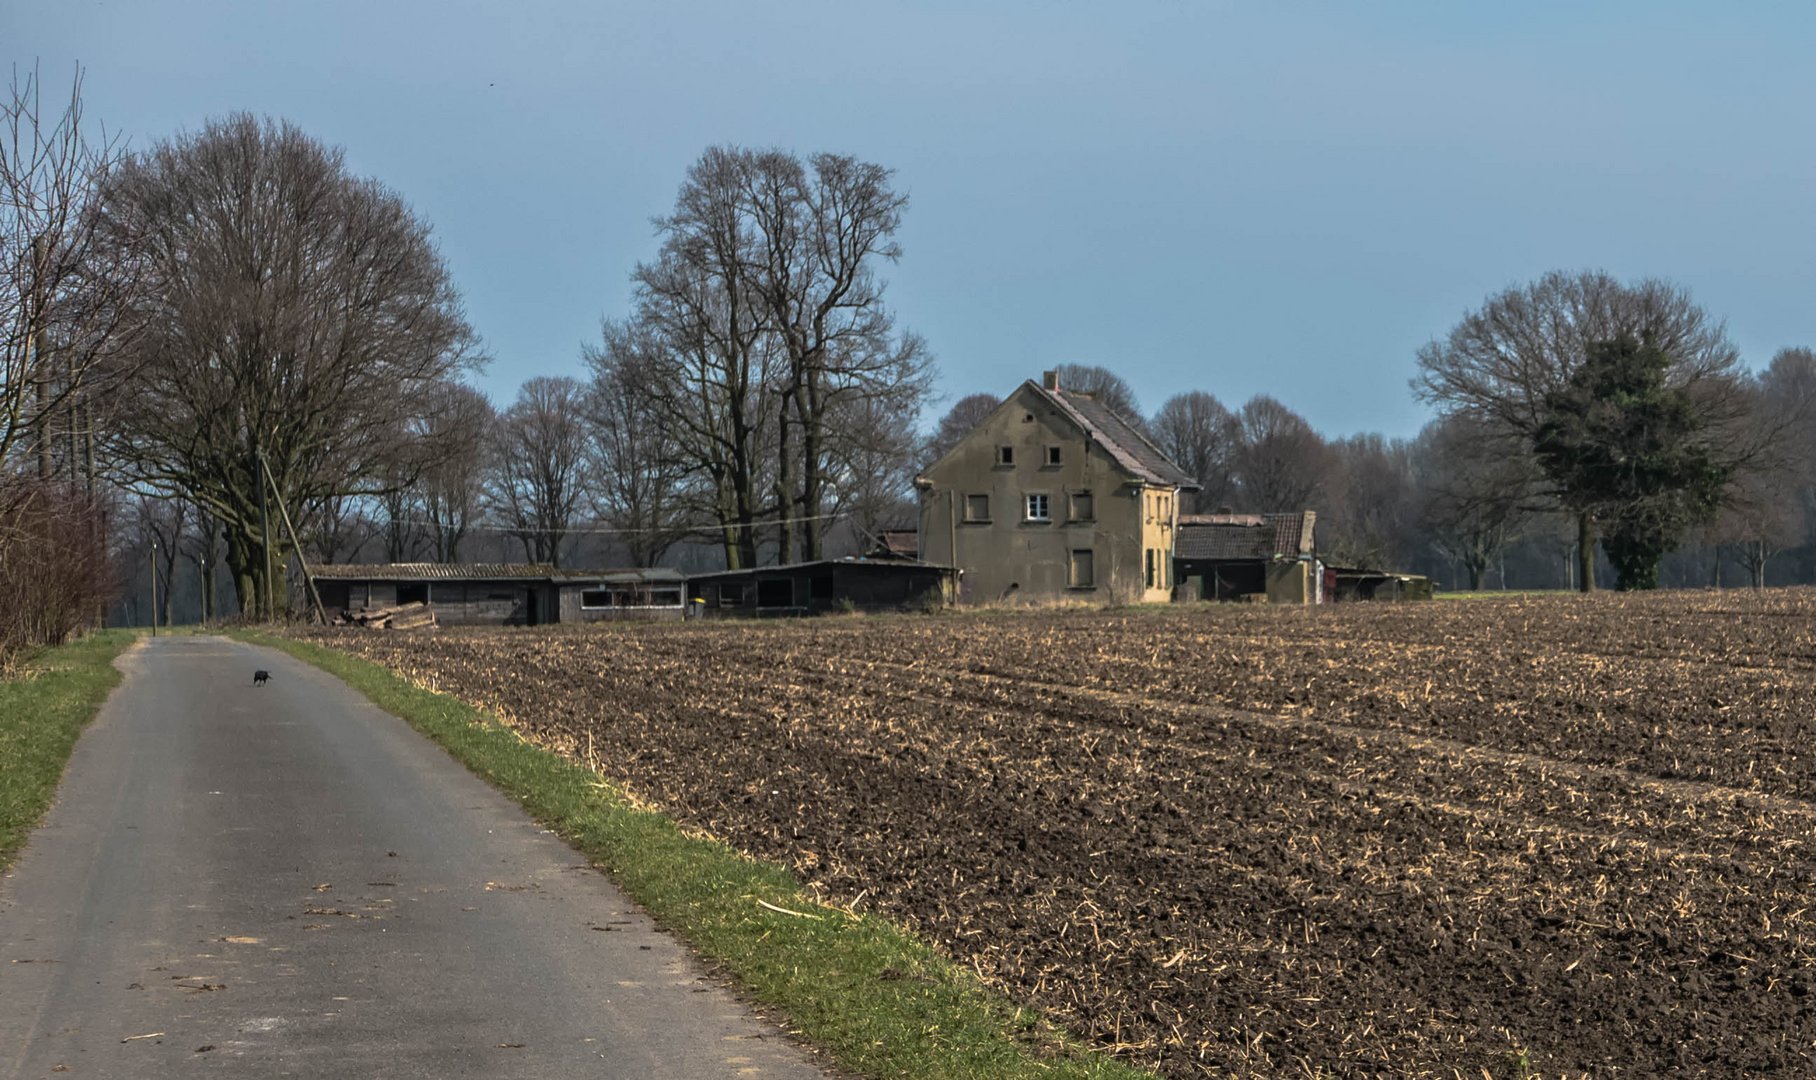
<point x="880" y="1002"/>
<point x="41" y="715"/>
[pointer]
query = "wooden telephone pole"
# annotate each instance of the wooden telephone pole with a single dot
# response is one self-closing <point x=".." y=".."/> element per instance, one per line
<point x="321" y="615"/>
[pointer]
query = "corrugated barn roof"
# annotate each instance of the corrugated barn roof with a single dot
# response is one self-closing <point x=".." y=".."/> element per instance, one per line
<point x="1245" y="536"/>
<point x="483" y="572"/>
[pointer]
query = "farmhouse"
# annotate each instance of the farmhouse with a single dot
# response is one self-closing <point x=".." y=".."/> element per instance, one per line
<point x="1244" y="556"/>
<point x="502" y="594"/>
<point x="1053" y="495"/>
<point x="870" y="584"/>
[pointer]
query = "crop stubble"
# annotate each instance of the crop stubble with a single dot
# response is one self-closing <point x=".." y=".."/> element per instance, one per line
<point x="1404" y="840"/>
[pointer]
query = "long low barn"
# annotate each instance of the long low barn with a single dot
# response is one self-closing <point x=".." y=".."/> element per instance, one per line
<point x="507" y="594"/>
<point x="824" y="586"/>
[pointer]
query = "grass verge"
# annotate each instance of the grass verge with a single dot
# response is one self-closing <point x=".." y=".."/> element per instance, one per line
<point x="880" y="1002"/>
<point x="41" y="713"/>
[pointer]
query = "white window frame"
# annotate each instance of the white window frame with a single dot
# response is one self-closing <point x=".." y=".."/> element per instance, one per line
<point x="1045" y="503"/>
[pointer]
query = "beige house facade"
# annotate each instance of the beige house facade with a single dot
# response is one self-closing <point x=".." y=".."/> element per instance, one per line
<point x="1053" y="496"/>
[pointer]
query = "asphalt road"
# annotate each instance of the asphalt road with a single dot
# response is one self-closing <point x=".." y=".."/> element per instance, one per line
<point x="285" y="881"/>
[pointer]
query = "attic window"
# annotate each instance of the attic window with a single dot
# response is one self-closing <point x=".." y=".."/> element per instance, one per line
<point x="1053" y="455"/>
<point x="1005" y="455"/>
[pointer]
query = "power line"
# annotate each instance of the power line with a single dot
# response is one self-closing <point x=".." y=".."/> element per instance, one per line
<point x="597" y="531"/>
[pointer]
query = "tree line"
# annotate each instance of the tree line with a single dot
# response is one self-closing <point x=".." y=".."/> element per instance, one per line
<point x="230" y="344"/>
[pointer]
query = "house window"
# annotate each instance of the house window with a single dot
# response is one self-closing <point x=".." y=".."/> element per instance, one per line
<point x="1082" y="508"/>
<point x="1151" y="562"/>
<point x="596" y="598"/>
<point x="1005" y="455"/>
<point x="1037" y="508"/>
<point x="1053" y="455"/>
<point x="731" y="595"/>
<point x="1083" y="569"/>
<point x="977" y="508"/>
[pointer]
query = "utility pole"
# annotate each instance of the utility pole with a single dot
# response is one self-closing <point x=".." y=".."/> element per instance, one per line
<point x="69" y="414"/>
<point x="283" y="508"/>
<point x="34" y="344"/>
<point x="264" y="532"/>
<point x="154" y="588"/>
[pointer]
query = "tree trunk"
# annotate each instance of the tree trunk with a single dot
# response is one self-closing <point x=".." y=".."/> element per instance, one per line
<point x="1475" y="575"/>
<point x="812" y="419"/>
<point x="784" y="482"/>
<point x="1585" y="553"/>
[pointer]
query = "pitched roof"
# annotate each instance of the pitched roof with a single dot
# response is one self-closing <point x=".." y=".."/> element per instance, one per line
<point x="898" y="543"/>
<point x="1245" y="536"/>
<point x="1122" y="440"/>
<point x="480" y="572"/>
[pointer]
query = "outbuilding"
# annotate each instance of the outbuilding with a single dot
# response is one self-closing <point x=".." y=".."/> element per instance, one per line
<point x="1248" y="557"/>
<point x="502" y="594"/>
<point x="824" y="586"/>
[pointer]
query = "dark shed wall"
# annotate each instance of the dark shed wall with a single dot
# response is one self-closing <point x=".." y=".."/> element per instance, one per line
<point x="1224" y="579"/>
<point x="822" y="587"/>
<point x="479" y="603"/>
<point x="626" y="605"/>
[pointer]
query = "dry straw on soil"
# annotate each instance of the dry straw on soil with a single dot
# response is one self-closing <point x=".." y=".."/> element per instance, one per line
<point x="1409" y="840"/>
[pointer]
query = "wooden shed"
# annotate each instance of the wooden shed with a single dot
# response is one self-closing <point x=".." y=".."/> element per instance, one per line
<point x="824" y="586"/>
<point x="501" y="594"/>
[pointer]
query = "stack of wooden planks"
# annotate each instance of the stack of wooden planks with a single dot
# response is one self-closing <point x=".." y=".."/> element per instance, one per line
<point x="396" y="617"/>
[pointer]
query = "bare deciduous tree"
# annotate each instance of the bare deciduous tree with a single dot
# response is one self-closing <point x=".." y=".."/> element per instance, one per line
<point x="1500" y="363"/>
<point x="336" y="526"/>
<point x="1476" y="498"/>
<point x="289" y="308"/>
<point x="1106" y="386"/>
<point x="762" y="320"/>
<point x="1199" y="434"/>
<point x="820" y="228"/>
<point x="638" y="464"/>
<point x="456" y="427"/>
<point x="1765" y="510"/>
<point x="538" y="465"/>
<point x="1278" y="460"/>
<point x="965" y="414"/>
<point x="164" y="522"/>
<point x="702" y="344"/>
<point x="62" y="322"/>
<point x="1369" y="507"/>
<point x="871" y="465"/>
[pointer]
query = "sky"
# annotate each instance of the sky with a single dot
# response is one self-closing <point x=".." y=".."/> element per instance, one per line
<point x="1243" y="198"/>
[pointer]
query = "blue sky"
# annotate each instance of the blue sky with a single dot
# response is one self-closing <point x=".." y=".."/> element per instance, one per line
<point x="1283" y="198"/>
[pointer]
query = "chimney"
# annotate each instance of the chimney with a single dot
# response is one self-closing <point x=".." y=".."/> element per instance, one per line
<point x="1050" y="379"/>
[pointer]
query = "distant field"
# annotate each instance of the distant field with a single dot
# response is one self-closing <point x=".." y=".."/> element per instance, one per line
<point x="1562" y="834"/>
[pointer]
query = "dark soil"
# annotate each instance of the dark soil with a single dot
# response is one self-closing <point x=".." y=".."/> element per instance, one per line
<point x="1370" y="840"/>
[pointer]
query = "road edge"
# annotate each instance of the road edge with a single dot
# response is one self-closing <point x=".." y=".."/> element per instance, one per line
<point x="41" y="718"/>
<point x="878" y="1001"/>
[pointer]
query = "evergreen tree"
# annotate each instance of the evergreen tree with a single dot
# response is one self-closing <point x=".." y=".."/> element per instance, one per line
<point x="1630" y="449"/>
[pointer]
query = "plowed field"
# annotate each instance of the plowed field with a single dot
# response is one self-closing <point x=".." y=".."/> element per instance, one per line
<point x="1429" y="839"/>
